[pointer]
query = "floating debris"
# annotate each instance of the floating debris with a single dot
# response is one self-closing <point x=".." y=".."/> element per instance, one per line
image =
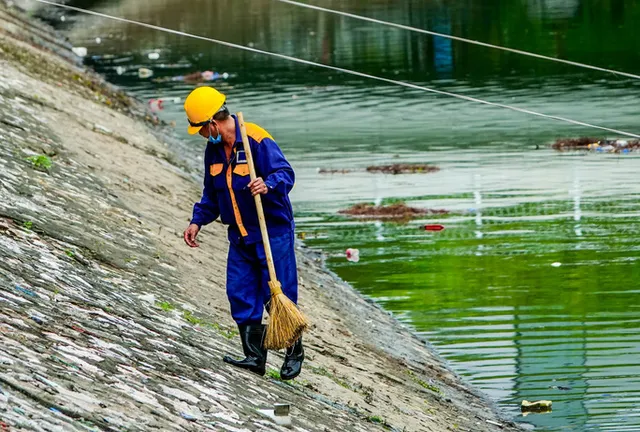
<point x="597" y="145"/>
<point x="537" y="406"/>
<point x="145" y="73"/>
<point x="562" y="388"/>
<point x="394" y="211"/>
<point x="352" y="255"/>
<point x="386" y="169"/>
<point x="434" y="227"/>
<point x="400" y="168"/>
<point x="79" y="51"/>
<point x="156" y="104"/>
<point x="196" y="77"/>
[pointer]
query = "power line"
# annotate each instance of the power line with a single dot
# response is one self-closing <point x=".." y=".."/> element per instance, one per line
<point x="457" y="38"/>
<point x="338" y="69"/>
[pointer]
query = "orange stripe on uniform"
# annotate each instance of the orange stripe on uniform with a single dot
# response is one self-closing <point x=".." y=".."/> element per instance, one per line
<point x="256" y="132"/>
<point x="234" y="203"/>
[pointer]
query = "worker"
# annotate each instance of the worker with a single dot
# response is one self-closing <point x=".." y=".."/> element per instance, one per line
<point x="229" y="193"/>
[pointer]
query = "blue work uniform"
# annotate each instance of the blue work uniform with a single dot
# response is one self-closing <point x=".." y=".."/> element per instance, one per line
<point x="226" y="195"/>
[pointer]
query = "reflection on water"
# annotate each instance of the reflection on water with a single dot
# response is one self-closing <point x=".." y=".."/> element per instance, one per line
<point x="584" y="31"/>
<point x="532" y="296"/>
<point x="531" y="291"/>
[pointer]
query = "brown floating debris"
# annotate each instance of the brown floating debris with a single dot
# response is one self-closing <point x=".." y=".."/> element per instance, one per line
<point x="404" y="168"/>
<point x="387" y="169"/>
<point x="394" y="211"/>
<point x="597" y="144"/>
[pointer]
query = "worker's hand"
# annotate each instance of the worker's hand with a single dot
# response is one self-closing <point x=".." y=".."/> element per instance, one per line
<point x="190" y="235"/>
<point x="257" y="186"/>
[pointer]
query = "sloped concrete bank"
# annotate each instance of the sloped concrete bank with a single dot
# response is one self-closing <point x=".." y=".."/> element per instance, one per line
<point x="109" y="322"/>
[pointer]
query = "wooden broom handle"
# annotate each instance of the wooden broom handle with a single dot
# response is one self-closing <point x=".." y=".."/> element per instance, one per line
<point x="263" y="223"/>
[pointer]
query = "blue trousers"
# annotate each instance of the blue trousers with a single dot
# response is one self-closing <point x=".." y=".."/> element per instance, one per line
<point x="247" y="276"/>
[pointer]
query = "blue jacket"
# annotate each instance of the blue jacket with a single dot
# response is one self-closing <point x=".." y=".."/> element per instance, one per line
<point x="226" y="195"/>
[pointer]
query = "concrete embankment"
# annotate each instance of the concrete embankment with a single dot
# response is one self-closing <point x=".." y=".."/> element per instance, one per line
<point x="109" y="322"/>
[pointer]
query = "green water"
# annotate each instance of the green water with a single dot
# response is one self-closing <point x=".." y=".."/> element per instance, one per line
<point x="532" y="289"/>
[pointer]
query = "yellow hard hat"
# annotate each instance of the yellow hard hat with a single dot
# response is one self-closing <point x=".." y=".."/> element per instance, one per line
<point x="201" y="104"/>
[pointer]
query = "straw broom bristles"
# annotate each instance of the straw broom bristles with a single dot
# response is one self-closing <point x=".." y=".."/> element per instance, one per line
<point x="286" y="322"/>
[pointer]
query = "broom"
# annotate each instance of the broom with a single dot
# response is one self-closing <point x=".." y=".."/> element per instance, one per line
<point x="286" y="322"/>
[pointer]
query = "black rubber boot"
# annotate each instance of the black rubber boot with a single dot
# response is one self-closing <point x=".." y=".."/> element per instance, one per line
<point x="252" y="337"/>
<point x="292" y="361"/>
